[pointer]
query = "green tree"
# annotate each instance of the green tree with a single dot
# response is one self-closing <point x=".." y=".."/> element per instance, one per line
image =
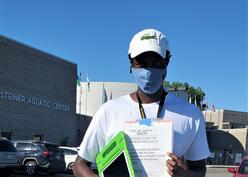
<point x="196" y="95"/>
<point x="166" y="84"/>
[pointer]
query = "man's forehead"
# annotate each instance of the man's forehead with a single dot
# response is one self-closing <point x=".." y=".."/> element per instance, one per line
<point x="149" y="55"/>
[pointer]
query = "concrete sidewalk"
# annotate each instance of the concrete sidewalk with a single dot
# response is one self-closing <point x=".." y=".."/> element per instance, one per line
<point x="218" y="172"/>
<point x="221" y="166"/>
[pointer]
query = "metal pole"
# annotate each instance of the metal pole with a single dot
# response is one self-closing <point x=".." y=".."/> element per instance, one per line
<point x="86" y="97"/>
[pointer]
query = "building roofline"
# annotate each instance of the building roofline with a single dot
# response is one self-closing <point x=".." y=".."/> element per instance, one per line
<point x="35" y="49"/>
<point x="94" y="82"/>
<point x="216" y="110"/>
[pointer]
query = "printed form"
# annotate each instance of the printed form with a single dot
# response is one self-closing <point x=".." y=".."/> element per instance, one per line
<point x="148" y="142"/>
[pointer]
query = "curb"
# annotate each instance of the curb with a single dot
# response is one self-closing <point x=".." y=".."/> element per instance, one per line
<point x="221" y="166"/>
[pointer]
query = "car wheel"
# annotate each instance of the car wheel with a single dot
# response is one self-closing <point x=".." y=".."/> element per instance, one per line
<point x="70" y="166"/>
<point x="31" y="168"/>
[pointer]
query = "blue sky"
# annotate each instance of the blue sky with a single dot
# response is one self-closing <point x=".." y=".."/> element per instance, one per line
<point x="208" y="39"/>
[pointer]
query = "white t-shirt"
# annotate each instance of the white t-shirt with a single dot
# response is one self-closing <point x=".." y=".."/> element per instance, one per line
<point x="190" y="139"/>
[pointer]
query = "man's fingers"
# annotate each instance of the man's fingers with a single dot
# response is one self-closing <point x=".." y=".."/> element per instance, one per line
<point x="170" y="168"/>
<point x="172" y="156"/>
<point x="171" y="162"/>
<point x="170" y="172"/>
<point x="175" y="164"/>
<point x="175" y="158"/>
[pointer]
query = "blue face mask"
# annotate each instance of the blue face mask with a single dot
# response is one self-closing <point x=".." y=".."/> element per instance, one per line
<point x="149" y="80"/>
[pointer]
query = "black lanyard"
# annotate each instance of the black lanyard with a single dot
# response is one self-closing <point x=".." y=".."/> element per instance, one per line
<point x="161" y="104"/>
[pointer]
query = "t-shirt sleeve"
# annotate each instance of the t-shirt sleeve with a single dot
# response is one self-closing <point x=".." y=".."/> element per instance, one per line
<point x="93" y="138"/>
<point x="199" y="149"/>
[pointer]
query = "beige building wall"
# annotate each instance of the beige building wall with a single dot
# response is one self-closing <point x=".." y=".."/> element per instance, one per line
<point x="222" y="117"/>
<point x="214" y="116"/>
<point x="90" y="96"/>
<point x="240" y="134"/>
<point x="235" y="125"/>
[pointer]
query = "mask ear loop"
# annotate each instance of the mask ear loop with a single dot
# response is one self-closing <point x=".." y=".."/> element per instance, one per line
<point x="167" y="60"/>
<point x="131" y="62"/>
<point x="167" y="57"/>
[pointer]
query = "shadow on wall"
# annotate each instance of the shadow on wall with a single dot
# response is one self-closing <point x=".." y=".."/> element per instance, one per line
<point x="225" y="148"/>
<point x="82" y="123"/>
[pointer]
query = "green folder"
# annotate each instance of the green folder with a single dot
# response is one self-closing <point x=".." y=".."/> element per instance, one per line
<point x="114" y="160"/>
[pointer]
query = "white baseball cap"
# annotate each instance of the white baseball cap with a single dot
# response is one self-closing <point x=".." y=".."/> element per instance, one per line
<point x="148" y="40"/>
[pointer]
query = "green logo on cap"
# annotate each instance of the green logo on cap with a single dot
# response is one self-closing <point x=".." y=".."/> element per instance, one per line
<point x="148" y="36"/>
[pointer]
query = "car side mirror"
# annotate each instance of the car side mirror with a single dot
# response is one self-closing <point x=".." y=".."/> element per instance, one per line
<point x="231" y="170"/>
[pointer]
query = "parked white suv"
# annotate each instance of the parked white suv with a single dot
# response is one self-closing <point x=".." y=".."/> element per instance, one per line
<point x="70" y="156"/>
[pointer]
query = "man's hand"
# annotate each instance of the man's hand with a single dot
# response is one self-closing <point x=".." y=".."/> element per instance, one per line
<point x="176" y="166"/>
<point x="81" y="169"/>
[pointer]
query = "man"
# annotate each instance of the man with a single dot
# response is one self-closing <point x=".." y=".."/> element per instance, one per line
<point x="149" y="56"/>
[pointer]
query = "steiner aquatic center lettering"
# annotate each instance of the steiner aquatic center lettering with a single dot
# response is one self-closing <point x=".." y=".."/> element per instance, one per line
<point x="33" y="101"/>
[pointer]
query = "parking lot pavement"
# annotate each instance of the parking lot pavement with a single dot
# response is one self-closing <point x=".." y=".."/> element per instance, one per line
<point x="218" y="172"/>
<point x="41" y="175"/>
<point x="211" y="172"/>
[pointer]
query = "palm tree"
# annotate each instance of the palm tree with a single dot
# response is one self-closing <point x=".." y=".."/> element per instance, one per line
<point x="196" y="95"/>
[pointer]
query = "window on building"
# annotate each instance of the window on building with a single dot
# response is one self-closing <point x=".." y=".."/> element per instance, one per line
<point x="38" y="137"/>
<point x="63" y="141"/>
<point x="6" y="134"/>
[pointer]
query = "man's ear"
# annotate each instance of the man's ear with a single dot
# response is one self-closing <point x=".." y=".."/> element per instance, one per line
<point x="131" y="63"/>
<point x="167" y="57"/>
<point x="130" y="59"/>
<point x="165" y="74"/>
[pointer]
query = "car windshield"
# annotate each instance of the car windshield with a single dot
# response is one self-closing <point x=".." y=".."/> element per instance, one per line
<point x="244" y="167"/>
<point x="69" y="151"/>
<point x="7" y="146"/>
<point x="52" y="148"/>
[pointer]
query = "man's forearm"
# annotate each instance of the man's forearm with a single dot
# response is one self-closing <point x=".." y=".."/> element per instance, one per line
<point x="196" y="168"/>
<point x="81" y="169"/>
<point x="195" y="173"/>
